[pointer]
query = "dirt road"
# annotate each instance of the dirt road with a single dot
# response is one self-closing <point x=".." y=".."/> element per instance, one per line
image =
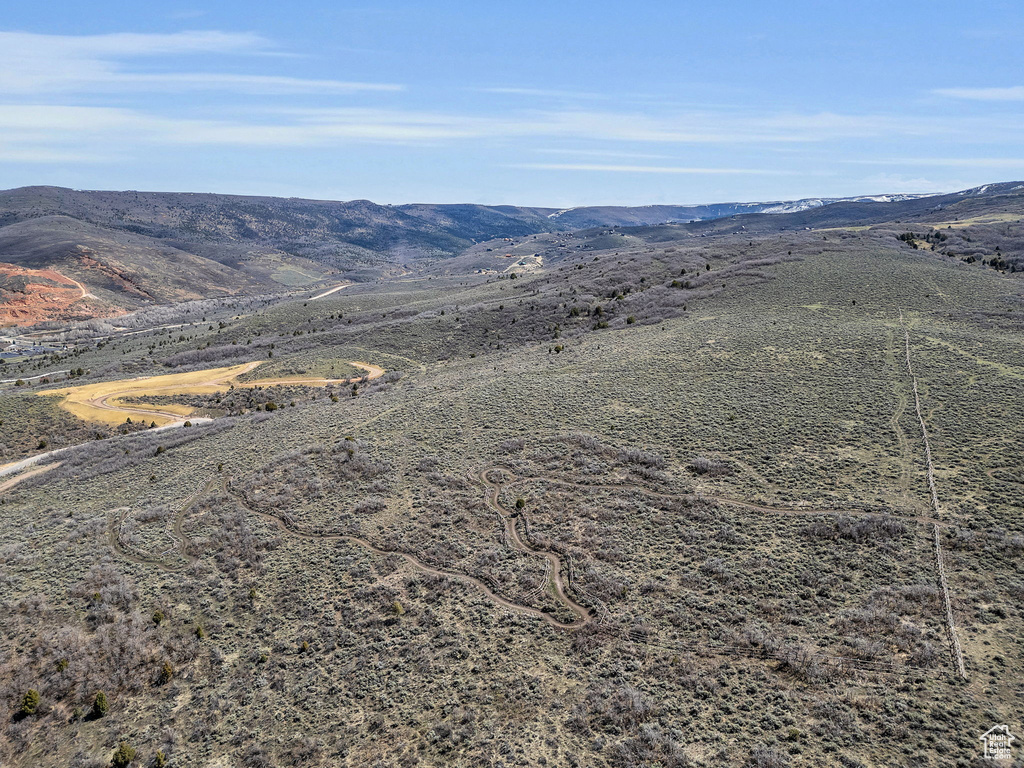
<point x="82" y="288"/>
<point x="32" y="378"/>
<point x="104" y="401"/>
<point x="8" y="484"/>
<point x="372" y="372"/>
<point x="329" y="291"/>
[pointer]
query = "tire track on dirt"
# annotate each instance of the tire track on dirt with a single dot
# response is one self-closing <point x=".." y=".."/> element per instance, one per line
<point x="110" y="396"/>
<point x="291" y="529"/>
<point x="954" y="641"/>
<point x="584" y="615"/>
<point x="120" y="515"/>
<point x="512" y="531"/>
<point x="8" y="484"/>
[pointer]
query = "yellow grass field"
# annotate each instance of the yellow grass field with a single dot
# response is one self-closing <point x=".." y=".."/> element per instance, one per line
<point x="992" y="218"/>
<point x="104" y="402"/>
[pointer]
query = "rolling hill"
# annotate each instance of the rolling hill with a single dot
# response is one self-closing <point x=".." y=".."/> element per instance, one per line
<point x="616" y="497"/>
<point x="136" y="249"/>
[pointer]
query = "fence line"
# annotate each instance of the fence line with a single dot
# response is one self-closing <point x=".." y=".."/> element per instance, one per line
<point x="954" y="641"/>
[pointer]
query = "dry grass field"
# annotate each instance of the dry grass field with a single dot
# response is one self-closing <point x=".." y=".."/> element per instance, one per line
<point x="734" y="492"/>
<point x="103" y="402"/>
<point x="111" y="402"/>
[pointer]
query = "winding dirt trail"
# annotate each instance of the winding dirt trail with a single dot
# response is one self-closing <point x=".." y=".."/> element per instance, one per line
<point x="554" y="561"/>
<point x="85" y="291"/>
<point x="493" y="486"/>
<point x="991" y="473"/>
<point x="287" y="528"/>
<point x="118" y="516"/>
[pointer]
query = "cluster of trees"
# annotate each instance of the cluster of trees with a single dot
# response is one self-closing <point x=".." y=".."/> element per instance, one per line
<point x="860" y="529"/>
<point x="320" y="477"/>
<point x="219" y="526"/>
<point x="702" y="465"/>
<point x="84" y="658"/>
<point x="103" y="456"/>
<point x="996" y="245"/>
<point x="932" y="236"/>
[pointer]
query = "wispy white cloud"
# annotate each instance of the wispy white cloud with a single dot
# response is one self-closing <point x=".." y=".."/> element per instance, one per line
<point x="373" y="124"/>
<point x="542" y="93"/>
<point x="1011" y="93"/>
<point x="44" y="80"/>
<point x="946" y="162"/>
<point x="37" y="65"/>
<point x="254" y="84"/>
<point x="62" y="127"/>
<point x="602" y="153"/>
<point x="71" y="125"/>
<point x="40" y="120"/>
<point x="731" y="127"/>
<point x="24" y="153"/>
<point x="644" y="169"/>
<point x="618" y="127"/>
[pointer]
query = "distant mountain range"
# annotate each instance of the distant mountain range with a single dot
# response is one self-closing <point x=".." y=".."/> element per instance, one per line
<point x="603" y="216"/>
<point x="131" y="249"/>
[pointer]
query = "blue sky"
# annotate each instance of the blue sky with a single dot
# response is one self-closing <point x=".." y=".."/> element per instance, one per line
<point x="533" y="103"/>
